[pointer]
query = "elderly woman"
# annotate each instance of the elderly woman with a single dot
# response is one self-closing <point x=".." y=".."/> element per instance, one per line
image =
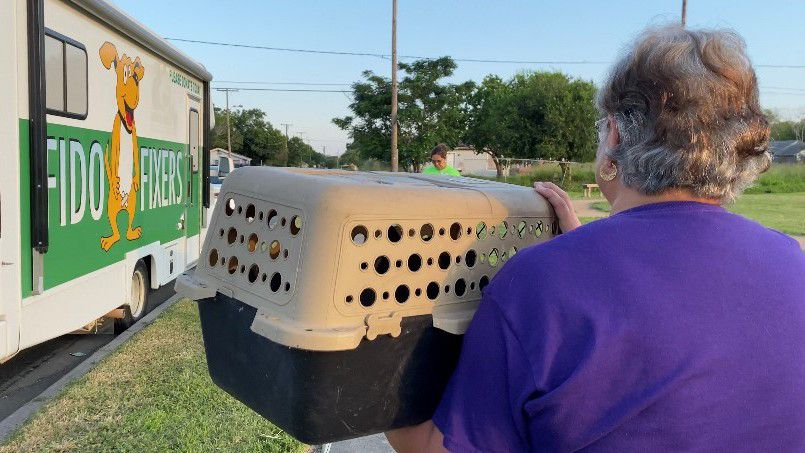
<point x="672" y="324"/>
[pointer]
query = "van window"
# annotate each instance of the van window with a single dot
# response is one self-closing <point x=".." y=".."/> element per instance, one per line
<point x="65" y="76"/>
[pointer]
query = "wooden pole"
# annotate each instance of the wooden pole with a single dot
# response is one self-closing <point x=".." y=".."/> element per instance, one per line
<point x="684" y="12"/>
<point x="394" y="152"/>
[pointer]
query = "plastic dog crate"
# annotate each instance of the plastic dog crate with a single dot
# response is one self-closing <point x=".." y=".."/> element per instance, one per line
<point x="333" y="303"/>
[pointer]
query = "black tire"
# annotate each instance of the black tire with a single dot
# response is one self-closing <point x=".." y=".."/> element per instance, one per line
<point x="140" y="296"/>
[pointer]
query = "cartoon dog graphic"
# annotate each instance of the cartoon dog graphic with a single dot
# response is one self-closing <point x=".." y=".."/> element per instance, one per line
<point x="122" y="156"/>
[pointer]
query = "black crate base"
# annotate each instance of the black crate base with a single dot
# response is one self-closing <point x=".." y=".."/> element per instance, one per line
<point x="318" y="396"/>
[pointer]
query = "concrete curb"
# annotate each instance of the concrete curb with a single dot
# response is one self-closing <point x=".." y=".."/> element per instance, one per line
<point x="21" y="415"/>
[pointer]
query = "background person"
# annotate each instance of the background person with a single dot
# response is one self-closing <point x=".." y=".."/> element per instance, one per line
<point x="671" y="325"/>
<point x="438" y="157"/>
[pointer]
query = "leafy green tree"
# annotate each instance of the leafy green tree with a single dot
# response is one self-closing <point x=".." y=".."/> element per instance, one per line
<point x="252" y="136"/>
<point x="430" y="111"/>
<point x="485" y="109"/>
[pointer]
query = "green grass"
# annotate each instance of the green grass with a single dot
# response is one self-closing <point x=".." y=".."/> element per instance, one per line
<point x="780" y="179"/>
<point x="153" y="394"/>
<point x="782" y="211"/>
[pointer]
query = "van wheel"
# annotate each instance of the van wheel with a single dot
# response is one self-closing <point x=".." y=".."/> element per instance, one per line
<point x="139" y="298"/>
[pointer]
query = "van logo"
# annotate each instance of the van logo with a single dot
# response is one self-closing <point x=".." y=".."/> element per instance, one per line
<point x="122" y="156"/>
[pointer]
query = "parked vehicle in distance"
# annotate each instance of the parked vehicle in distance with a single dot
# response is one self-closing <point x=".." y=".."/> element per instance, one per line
<point x="104" y="195"/>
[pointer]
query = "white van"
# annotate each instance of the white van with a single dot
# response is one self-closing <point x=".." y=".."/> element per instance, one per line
<point x="103" y="186"/>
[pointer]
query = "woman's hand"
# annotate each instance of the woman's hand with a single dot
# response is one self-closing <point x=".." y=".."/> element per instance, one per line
<point x="558" y="198"/>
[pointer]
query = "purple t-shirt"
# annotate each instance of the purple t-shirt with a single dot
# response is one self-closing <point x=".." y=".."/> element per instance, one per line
<point x="671" y="326"/>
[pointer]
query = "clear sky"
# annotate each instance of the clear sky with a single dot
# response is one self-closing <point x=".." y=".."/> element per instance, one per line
<point x="504" y="29"/>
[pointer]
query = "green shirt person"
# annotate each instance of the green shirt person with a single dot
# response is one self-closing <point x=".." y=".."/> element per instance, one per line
<point x="438" y="156"/>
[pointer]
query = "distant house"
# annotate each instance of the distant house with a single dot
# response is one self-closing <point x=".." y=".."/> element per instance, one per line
<point x="788" y="151"/>
<point x="239" y="160"/>
<point x="468" y="162"/>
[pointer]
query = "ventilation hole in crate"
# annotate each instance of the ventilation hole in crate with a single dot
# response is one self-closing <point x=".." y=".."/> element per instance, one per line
<point x="230" y="206"/>
<point x="503" y="229"/>
<point x="472" y="285"/>
<point x="521" y="228"/>
<point x="272" y="219"/>
<point x="470" y="258"/>
<point x="263" y="277"/>
<point x="458" y="259"/>
<point x="250" y="213"/>
<point x="364" y="266"/>
<point x="283" y="222"/>
<point x="242" y="239"/>
<point x="276" y="282"/>
<point x="483" y="282"/>
<point x="232" y="265"/>
<point x="252" y="244"/>
<point x="221" y="232"/>
<point x="491" y="232"/>
<point x="260" y="216"/>
<point x="275" y="249"/>
<point x="504" y="256"/>
<point x="242" y="268"/>
<point x="213" y="257"/>
<point x="512" y="251"/>
<point x="531" y="229"/>
<point x="418" y="292"/>
<point x="296" y="225"/>
<point x="401" y="294"/>
<point x="455" y="231"/>
<point x="382" y="264"/>
<point x="432" y="291"/>
<point x="441" y="231"/>
<point x="483" y="257"/>
<point x="378" y="234"/>
<point x="461" y="287"/>
<point x="368" y="297"/>
<point x="285" y="254"/>
<point x="254" y="273"/>
<point x="426" y="232"/>
<point x="263" y="247"/>
<point x="480" y="231"/>
<point x="240" y="210"/>
<point x="444" y="260"/>
<point x="446" y="289"/>
<point x="287" y="287"/>
<point x="385" y="295"/>
<point x="359" y="235"/>
<point x="414" y="262"/>
<point x="494" y="255"/>
<point x="395" y="233"/>
<point x="348" y="299"/>
<point x="231" y="235"/>
<point x="398" y="263"/>
<point x="411" y="232"/>
<point x="538" y="229"/>
<point x="469" y="231"/>
<point x="223" y="260"/>
<point x="430" y="261"/>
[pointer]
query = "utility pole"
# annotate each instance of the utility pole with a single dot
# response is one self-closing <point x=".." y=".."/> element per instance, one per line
<point x="286" y="142"/>
<point x="228" y="123"/>
<point x="684" y="12"/>
<point x="302" y="136"/>
<point x="394" y="152"/>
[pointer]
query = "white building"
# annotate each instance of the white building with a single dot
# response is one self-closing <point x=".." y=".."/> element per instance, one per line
<point x="468" y="162"/>
<point x="239" y="159"/>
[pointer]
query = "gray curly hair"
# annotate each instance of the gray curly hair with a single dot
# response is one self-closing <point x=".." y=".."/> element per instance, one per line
<point x="686" y="106"/>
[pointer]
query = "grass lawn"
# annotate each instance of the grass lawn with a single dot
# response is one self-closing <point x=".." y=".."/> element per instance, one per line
<point x="782" y="211"/>
<point x="153" y="394"/>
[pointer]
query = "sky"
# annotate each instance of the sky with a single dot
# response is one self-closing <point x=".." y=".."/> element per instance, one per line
<point x="567" y="30"/>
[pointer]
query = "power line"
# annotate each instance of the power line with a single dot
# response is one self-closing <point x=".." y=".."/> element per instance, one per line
<point x="257" y="82"/>
<point x="419" y="57"/>
<point x="299" y="90"/>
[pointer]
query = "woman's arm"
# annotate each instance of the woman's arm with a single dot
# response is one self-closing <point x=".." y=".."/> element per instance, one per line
<point x="423" y="438"/>
<point x="559" y="199"/>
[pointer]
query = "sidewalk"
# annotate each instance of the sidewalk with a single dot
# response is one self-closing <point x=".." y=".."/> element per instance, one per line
<point x="369" y="444"/>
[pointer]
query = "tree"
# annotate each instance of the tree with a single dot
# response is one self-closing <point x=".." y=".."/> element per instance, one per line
<point x="429" y="112"/>
<point x="485" y="109"/>
<point x="252" y="135"/>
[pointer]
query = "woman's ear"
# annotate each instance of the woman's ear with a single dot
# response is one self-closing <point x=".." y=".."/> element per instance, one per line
<point x="614" y="135"/>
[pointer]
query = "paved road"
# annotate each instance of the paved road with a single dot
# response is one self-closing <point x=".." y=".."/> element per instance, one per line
<point x="35" y="369"/>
